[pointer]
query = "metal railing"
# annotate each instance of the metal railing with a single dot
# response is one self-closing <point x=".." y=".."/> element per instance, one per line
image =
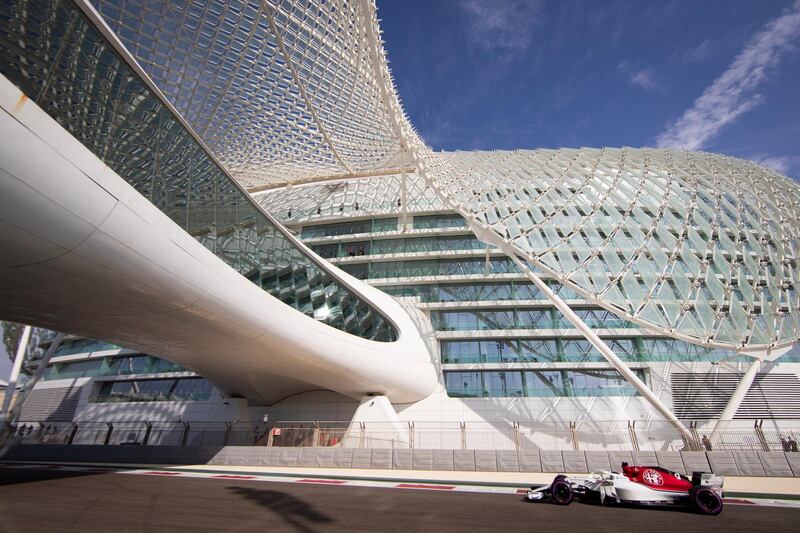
<point x="144" y="433"/>
<point x="588" y="436"/>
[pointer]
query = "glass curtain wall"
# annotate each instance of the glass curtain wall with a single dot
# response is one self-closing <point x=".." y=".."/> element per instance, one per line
<point x="111" y="366"/>
<point x="154" y="390"/>
<point x="431" y="267"/>
<point x="541" y="350"/>
<point x="538" y="383"/>
<point x="539" y="318"/>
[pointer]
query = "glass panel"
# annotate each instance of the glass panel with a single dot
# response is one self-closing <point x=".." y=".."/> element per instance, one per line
<point x="111" y="366"/>
<point x="76" y="346"/>
<point x="503" y="384"/>
<point x="155" y="390"/>
<point x="464" y="384"/>
<point x="439" y="221"/>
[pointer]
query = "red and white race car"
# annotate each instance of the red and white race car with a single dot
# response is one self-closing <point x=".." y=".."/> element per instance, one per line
<point x="637" y="485"/>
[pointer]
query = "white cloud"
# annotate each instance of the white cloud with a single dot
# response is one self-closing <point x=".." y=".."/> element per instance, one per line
<point x="502" y="25"/>
<point x="734" y="92"/>
<point x="645" y="79"/>
<point x="700" y="53"/>
<point x="784" y="164"/>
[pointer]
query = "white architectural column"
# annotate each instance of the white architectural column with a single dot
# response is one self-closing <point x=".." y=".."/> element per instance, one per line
<point x="739" y="394"/>
<point x="737" y="397"/>
<point x="12" y="414"/>
<point x="15" y="371"/>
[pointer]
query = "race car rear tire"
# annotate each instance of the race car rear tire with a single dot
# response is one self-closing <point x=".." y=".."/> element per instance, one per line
<point x="706" y="500"/>
<point x="561" y="492"/>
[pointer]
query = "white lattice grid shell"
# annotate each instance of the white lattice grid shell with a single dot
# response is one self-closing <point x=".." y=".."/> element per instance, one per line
<point x="280" y="91"/>
<point x="374" y="196"/>
<point x="699" y="246"/>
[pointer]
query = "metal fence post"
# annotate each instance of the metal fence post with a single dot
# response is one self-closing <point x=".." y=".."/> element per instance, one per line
<point x="695" y="445"/>
<point x="632" y="433"/>
<point x="315" y="435"/>
<point x="72" y="433"/>
<point x="185" y="435"/>
<point x="517" y="436"/>
<point x="411" y="435"/>
<point x="574" y="435"/>
<point x="228" y="428"/>
<point x="463" y="435"/>
<point x="108" y="433"/>
<point x="362" y="435"/>
<point x="762" y="439"/>
<point x="149" y="428"/>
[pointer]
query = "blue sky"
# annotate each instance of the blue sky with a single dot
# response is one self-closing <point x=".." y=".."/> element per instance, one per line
<point x="721" y="76"/>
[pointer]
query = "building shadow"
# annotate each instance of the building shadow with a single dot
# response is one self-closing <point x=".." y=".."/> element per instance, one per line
<point x="9" y="475"/>
<point x="298" y="513"/>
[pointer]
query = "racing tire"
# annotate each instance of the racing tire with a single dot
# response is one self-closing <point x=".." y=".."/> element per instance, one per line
<point x="706" y="501"/>
<point x="561" y="492"/>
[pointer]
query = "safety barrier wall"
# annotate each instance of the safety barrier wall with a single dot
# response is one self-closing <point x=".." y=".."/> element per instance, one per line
<point x="728" y="463"/>
<point x="572" y="436"/>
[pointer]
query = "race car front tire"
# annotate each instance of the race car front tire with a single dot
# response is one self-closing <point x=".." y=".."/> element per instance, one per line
<point x="561" y="492"/>
<point x="706" y="500"/>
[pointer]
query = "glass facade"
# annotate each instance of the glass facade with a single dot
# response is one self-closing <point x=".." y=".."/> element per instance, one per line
<point x="73" y="346"/>
<point x="111" y="366"/>
<point x="560" y="349"/>
<point x="430" y="267"/>
<point x="50" y="50"/>
<point x="539" y="318"/>
<point x="447" y="220"/>
<point x="399" y="246"/>
<point x="374" y="225"/>
<point x="532" y="350"/>
<point x="538" y="383"/>
<point x="635" y="347"/>
<point x="154" y="390"/>
<point x="477" y="292"/>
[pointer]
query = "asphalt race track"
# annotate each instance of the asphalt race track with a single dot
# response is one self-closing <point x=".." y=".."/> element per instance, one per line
<point x="41" y="500"/>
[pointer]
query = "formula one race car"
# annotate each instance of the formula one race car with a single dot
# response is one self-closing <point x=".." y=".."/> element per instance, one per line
<point x="637" y="485"/>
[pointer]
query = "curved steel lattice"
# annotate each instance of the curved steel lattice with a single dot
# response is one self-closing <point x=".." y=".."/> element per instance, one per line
<point x="280" y="91"/>
<point x="697" y="246"/>
<point x="59" y="59"/>
<point x="357" y="197"/>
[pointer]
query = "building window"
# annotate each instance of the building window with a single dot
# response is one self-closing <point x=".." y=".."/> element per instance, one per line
<point x="439" y="221"/>
<point x="539" y="383"/>
<point x="154" y="390"/>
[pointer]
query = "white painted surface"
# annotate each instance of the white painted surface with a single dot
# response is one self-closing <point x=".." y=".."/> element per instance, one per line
<point x="86" y="253"/>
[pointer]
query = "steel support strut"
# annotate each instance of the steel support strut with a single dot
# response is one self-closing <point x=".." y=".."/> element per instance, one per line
<point x="22" y="347"/>
<point x="603" y="348"/>
<point x="737" y="397"/>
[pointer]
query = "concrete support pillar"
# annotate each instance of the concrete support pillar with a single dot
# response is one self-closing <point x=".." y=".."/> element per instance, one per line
<point x="377" y="415"/>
